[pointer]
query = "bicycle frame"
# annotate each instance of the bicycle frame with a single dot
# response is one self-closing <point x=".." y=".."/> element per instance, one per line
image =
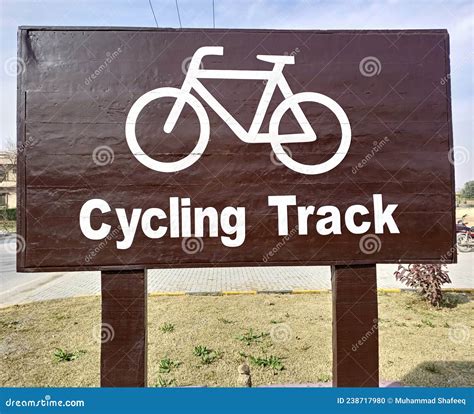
<point x="274" y="78"/>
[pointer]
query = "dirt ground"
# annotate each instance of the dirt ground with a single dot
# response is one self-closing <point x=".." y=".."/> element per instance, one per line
<point x="201" y="340"/>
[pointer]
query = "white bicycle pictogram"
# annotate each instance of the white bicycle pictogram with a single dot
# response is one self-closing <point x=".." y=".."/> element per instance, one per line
<point x="274" y="78"/>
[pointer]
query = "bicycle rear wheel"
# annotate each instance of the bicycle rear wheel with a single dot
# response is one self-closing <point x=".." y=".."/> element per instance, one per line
<point x="130" y="130"/>
<point x="462" y="242"/>
<point x="334" y="107"/>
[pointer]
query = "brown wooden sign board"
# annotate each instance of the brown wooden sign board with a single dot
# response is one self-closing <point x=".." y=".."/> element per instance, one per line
<point x="147" y="148"/>
<point x="321" y="141"/>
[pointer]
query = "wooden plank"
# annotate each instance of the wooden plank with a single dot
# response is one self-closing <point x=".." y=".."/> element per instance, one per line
<point x="80" y="171"/>
<point x="21" y="149"/>
<point x="123" y="355"/>
<point x="408" y="137"/>
<point x="355" y="326"/>
<point x="450" y="136"/>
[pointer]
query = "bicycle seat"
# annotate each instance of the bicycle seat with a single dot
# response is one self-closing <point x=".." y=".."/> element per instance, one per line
<point x="287" y="60"/>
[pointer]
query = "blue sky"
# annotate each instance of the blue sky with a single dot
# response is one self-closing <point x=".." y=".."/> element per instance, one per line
<point x="456" y="16"/>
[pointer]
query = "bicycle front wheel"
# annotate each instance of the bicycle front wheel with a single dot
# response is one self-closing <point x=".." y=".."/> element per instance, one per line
<point x="463" y="243"/>
<point x="130" y="130"/>
<point x="342" y="118"/>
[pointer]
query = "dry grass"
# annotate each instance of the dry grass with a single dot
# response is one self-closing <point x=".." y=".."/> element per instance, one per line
<point x="415" y="344"/>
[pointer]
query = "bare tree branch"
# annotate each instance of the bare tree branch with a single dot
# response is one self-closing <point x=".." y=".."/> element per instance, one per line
<point x="8" y="164"/>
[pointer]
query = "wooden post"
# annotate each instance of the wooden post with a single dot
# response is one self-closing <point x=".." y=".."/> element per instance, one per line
<point x="123" y="355"/>
<point x="355" y="339"/>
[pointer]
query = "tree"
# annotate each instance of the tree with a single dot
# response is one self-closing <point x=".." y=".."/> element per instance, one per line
<point x="468" y="190"/>
<point x="7" y="168"/>
<point x="8" y="164"/>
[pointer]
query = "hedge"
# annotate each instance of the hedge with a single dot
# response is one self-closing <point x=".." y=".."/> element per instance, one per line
<point x="8" y="214"/>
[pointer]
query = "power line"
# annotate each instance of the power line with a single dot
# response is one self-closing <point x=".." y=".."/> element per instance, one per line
<point x="213" y="16"/>
<point x="153" y="11"/>
<point x="179" y="17"/>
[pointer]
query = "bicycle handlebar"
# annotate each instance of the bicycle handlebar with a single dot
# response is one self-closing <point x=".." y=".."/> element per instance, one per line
<point x="204" y="51"/>
<point x="209" y="50"/>
<point x="192" y="70"/>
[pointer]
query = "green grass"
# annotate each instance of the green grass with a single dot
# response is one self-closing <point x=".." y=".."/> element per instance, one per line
<point x="250" y="337"/>
<point x="61" y="355"/>
<point x="206" y="355"/>
<point x="324" y="378"/>
<point x="271" y="361"/>
<point x="167" y="327"/>
<point x="166" y="365"/>
<point x="164" y="382"/>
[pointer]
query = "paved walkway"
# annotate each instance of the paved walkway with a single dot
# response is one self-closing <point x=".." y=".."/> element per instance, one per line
<point x="22" y="287"/>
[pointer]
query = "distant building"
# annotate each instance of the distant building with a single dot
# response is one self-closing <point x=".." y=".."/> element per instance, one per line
<point x="7" y="180"/>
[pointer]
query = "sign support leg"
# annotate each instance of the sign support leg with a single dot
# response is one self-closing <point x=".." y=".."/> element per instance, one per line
<point x="355" y="340"/>
<point x="123" y="354"/>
